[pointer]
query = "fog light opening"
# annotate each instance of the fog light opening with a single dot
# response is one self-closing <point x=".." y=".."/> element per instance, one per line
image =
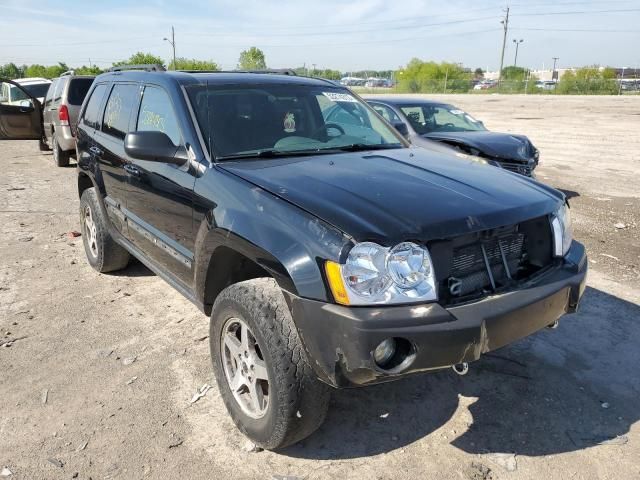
<point x="392" y="353"/>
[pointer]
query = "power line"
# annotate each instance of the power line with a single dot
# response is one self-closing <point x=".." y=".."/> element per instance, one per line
<point x="323" y="32"/>
<point x="590" y="30"/>
<point x="539" y="14"/>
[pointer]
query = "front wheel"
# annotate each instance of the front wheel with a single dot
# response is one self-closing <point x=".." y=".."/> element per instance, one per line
<point x="261" y="368"/>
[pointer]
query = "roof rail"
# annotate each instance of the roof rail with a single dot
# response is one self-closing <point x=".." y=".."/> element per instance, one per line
<point x="150" y="67"/>
<point x="197" y="71"/>
<point x="68" y="72"/>
<point x="276" y="71"/>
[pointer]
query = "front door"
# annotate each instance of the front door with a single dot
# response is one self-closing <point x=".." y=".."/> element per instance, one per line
<point x="160" y="197"/>
<point x="20" y="113"/>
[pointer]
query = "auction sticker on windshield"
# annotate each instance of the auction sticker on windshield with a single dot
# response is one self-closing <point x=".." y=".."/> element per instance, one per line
<point x="339" y="97"/>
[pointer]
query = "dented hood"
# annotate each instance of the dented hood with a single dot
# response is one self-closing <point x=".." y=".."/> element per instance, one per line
<point x="492" y="144"/>
<point x="402" y="194"/>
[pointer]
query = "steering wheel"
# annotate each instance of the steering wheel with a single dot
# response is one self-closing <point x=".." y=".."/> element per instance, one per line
<point x="326" y="128"/>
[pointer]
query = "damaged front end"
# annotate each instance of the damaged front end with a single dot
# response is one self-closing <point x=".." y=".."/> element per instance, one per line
<point x="523" y="159"/>
<point x="343" y="343"/>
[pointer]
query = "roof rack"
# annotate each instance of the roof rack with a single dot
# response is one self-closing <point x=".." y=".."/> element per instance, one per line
<point x="150" y="67"/>
<point x="276" y="71"/>
<point x="68" y="72"/>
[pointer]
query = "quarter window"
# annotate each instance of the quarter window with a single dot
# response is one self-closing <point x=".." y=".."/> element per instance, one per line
<point x="123" y="99"/>
<point x="49" y="97"/>
<point x="57" y="94"/>
<point x="157" y="115"/>
<point x="91" y="117"/>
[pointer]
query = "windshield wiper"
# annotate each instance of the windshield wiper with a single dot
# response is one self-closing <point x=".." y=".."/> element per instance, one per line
<point x="270" y="153"/>
<point x="360" y="147"/>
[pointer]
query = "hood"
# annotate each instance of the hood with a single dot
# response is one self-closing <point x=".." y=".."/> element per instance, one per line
<point x="402" y="194"/>
<point x="492" y="144"/>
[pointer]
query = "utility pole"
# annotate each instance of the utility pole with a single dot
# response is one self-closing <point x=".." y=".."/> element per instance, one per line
<point x="621" y="81"/>
<point x="554" y="74"/>
<point x="515" y="59"/>
<point x="173" y="45"/>
<point x="505" y="25"/>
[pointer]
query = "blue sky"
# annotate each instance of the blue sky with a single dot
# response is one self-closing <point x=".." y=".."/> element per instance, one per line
<point x="345" y="35"/>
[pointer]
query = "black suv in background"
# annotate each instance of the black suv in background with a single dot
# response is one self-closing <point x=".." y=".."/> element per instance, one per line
<point x="60" y="114"/>
<point x="326" y="253"/>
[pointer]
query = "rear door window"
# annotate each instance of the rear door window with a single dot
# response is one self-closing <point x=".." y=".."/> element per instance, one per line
<point x="91" y="117"/>
<point x="156" y="114"/>
<point x="78" y="89"/>
<point x="123" y="99"/>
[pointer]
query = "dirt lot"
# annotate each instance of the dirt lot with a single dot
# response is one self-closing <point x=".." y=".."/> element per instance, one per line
<point x="98" y="380"/>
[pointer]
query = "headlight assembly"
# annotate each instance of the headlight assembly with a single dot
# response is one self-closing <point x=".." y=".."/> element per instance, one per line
<point x="375" y="275"/>
<point x="562" y="231"/>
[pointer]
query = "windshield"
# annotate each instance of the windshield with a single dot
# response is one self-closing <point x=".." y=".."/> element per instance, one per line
<point x="286" y="119"/>
<point x="36" y="90"/>
<point x="440" y="118"/>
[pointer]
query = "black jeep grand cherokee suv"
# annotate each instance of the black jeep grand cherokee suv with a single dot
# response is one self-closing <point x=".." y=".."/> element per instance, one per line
<point x="326" y="253"/>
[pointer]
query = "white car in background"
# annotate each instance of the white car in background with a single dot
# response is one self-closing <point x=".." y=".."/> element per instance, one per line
<point x="36" y="87"/>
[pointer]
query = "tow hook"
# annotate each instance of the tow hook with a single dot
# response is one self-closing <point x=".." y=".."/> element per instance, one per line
<point x="553" y="325"/>
<point x="461" y="368"/>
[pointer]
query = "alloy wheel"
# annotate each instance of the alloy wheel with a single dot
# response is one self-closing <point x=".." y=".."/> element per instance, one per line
<point x="245" y="368"/>
<point x="91" y="231"/>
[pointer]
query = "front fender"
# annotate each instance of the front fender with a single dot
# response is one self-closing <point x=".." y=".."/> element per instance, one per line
<point x="280" y="237"/>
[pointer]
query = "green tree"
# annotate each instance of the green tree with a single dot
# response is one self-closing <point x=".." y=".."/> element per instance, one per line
<point x="591" y="80"/>
<point x="92" y="70"/>
<point x="141" y="58"/>
<point x="193" y="64"/>
<point x="36" y="70"/>
<point x="252" y="59"/>
<point x="514" y="73"/>
<point x="54" y="71"/>
<point x="9" y="71"/>
<point x="432" y="77"/>
<point x="478" y="73"/>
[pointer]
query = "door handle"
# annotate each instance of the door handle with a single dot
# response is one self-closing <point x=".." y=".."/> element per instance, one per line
<point x="132" y="169"/>
<point x="95" y="150"/>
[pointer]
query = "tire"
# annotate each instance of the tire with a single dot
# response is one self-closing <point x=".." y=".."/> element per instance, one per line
<point x="42" y="145"/>
<point x="297" y="401"/>
<point x="60" y="157"/>
<point x="103" y="253"/>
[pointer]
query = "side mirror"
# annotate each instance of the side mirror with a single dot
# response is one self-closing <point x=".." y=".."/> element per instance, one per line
<point x="151" y="146"/>
<point x="402" y="128"/>
<point x="26" y="105"/>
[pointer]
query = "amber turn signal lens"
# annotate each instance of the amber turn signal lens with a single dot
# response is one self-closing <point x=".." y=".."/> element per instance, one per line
<point x="336" y="284"/>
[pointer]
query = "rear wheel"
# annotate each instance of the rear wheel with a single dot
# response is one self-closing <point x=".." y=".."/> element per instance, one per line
<point x="60" y="157"/>
<point x="261" y="368"/>
<point x="103" y="253"/>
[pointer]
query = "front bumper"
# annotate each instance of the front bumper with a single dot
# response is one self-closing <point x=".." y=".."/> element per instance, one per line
<point x="340" y="340"/>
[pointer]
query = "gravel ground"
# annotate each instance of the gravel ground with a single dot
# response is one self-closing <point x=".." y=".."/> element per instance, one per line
<point x="97" y="377"/>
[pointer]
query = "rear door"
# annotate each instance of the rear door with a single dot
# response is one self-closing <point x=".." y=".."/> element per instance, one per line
<point x="109" y="135"/>
<point x="19" y="120"/>
<point x="46" y="109"/>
